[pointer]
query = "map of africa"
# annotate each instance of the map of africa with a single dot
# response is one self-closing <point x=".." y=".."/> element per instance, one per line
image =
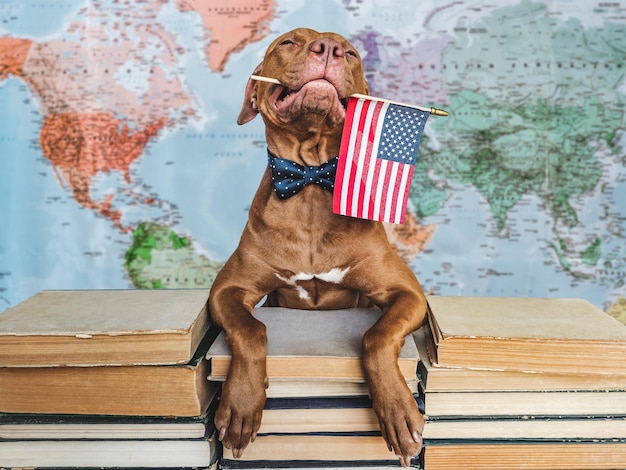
<point x="122" y="166"/>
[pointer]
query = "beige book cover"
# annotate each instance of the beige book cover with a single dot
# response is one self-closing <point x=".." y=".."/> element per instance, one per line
<point x="322" y="448"/>
<point x="522" y="317"/>
<point x="180" y="390"/>
<point x="525" y="428"/>
<point x="314" y="344"/>
<point x="104" y="327"/>
<point x="530" y="334"/>
<point x="479" y="454"/>
<point x="455" y="379"/>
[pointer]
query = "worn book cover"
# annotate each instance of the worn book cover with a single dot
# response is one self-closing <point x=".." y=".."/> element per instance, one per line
<point x="104" y="327"/>
<point x="554" y="404"/>
<point x="25" y="427"/>
<point x="455" y="379"/>
<point x="529" y="454"/>
<point x="526" y="428"/>
<point x="104" y="453"/>
<point x="527" y="334"/>
<point x="319" y="415"/>
<point x="314" y="344"/>
<point x="329" y="448"/>
<point x="169" y="390"/>
<point x="313" y="465"/>
<point x="300" y="388"/>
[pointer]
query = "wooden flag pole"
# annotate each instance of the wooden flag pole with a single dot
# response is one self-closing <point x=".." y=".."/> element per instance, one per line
<point x="434" y="111"/>
<point x="264" y="79"/>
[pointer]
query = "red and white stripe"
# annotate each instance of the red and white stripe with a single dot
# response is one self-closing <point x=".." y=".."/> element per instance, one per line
<point x="366" y="186"/>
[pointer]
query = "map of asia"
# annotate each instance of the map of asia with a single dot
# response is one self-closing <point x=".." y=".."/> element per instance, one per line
<point x="122" y="166"/>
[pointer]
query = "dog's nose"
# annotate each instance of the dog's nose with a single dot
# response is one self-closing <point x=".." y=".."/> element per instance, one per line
<point x="327" y="47"/>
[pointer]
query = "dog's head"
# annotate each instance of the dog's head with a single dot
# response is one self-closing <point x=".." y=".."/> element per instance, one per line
<point x="317" y="72"/>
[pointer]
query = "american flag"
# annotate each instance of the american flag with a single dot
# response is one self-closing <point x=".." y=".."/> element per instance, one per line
<point x="378" y="150"/>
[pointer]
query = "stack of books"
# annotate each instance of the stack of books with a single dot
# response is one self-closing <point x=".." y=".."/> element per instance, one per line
<point x="94" y="379"/>
<point x="522" y="383"/>
<point x="317" y="414"/>
<point x="131" y="379"/>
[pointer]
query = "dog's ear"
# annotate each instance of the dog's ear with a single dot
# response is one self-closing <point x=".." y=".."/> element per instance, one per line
<point x="249" y="109"/>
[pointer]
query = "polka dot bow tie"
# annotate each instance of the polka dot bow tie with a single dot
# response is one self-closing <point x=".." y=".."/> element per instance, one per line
<point x="290" y="178"/>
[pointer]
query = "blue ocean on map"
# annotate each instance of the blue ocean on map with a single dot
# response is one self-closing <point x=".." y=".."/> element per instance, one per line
<point x="122" y="165"/>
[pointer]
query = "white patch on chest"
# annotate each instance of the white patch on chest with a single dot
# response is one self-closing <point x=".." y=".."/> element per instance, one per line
<point x="334" y="276"/>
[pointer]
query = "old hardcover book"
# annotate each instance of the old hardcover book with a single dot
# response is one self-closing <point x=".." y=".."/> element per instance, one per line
<point x="318" y="415"/>
<point x="23" y="427"/>
<point x="120" y="453"/>
<point x="284" y="388"/>
<point x="525" y="403"/>
<point x="173" y="390"/>
<point x="525" y="334"/>
<point x="454" y="379"/>
<point x="526" y="428"/>
<point x="104" y="327"/>
<point x="314" y="344"/>
<point x="529" y="455"/>
<point x="313" y="465"/>
<point x="296" y="448"/>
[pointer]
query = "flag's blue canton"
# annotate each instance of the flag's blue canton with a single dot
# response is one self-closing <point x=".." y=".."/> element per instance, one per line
<point x="401" y="134"/>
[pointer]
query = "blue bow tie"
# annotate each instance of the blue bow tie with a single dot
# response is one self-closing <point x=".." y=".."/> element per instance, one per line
<point x="290" y="178"/>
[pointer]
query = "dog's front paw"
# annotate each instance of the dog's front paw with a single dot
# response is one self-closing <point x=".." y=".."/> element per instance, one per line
<point x="400" y="421"/>
<point x="238" y="416"/>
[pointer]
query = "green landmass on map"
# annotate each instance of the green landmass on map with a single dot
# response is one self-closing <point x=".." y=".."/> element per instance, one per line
<point x="427" y="198"/>
<point x="592" y="254"/>
<point x="160" y="258"/>
<point x="539" y="148"/>
<point x="531" y="121"/>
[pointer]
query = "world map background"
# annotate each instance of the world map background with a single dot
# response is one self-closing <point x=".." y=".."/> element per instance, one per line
<point x="122" y="166"/>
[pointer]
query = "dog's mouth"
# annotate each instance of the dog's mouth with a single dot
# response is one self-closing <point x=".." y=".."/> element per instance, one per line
<point x="320" y="94"/>
<point x="286" y="92"/>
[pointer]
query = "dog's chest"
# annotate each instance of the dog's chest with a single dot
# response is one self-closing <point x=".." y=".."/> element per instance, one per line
<point x="304" y="283"/>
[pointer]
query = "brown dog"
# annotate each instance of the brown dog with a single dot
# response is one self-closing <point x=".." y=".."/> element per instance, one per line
<point x="301" y="255"/>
